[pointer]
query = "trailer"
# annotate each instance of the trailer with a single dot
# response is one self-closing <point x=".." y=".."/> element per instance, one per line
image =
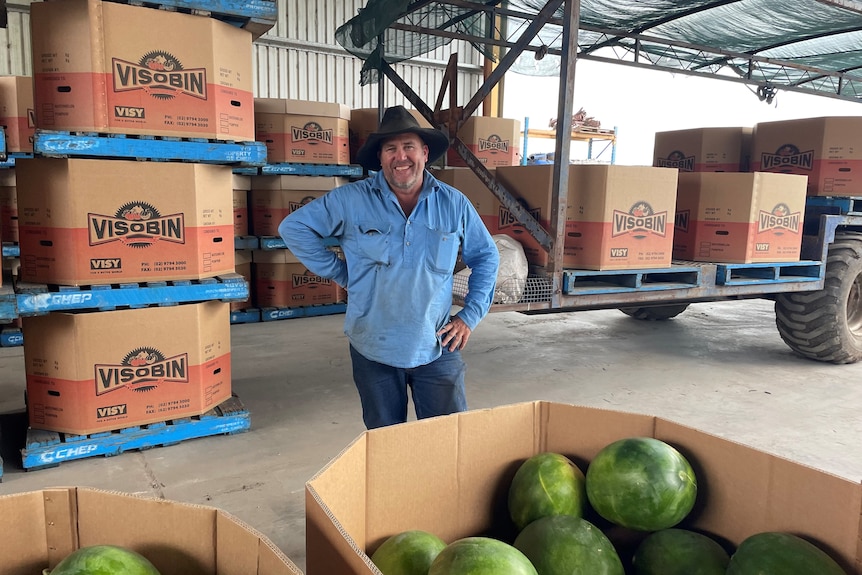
<point x="800" y="45"/>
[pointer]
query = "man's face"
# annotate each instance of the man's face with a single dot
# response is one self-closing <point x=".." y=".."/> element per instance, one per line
<point x="403" y="159"/>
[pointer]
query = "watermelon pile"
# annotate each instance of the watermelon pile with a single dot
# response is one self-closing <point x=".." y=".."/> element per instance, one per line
<point x="625" y="515"/>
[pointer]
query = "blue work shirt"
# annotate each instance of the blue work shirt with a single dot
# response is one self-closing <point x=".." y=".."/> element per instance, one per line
<point x="397" y="269"/>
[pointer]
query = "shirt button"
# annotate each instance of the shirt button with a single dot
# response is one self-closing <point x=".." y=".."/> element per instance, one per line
<point x="408" y="243"/>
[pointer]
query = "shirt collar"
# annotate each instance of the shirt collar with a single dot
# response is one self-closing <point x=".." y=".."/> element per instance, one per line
<point x="430" y="184"/>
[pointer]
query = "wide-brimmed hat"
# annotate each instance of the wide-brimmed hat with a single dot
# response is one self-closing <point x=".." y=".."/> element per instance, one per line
<point x="397" y="120"/>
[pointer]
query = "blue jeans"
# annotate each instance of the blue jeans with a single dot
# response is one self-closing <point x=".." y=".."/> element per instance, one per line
<point x="437" y="388"/>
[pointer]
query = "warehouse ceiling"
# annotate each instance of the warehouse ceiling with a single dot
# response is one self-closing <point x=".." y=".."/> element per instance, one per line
<point x="811" y="46"/>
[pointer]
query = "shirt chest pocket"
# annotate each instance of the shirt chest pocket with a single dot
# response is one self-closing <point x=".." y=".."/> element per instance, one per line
<point x="374" y="241"/>
<point x="442" y="250"/>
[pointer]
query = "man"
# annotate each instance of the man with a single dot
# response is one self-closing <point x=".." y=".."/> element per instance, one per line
<point x="400" y="231"/>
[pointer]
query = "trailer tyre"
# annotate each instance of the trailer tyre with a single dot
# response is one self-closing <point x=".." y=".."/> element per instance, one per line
<point x="655" y="312"/>
<point x="826" y="325"/>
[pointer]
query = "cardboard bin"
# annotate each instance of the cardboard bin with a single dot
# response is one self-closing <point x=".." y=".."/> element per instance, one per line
<point x="107" y="370"/>
<point x="40" y="528"/>
<point x="738" y="217"/>
<point x="273" y="198"/>
<point x="450" y="475"/>
<point x="85" y="222"/>
<point x="280" y="280"/>
<point x="16" y="112"/>
<point x="828" y="150"/>
<point x="8" y="206"/>
<point x="704" y="149"/>
<point x="494" y="141"/>
<point x="243" y="268"/>
<point x="303" y="132"/>
<point x="241" y="221"/>
<point x="123" y="69"/>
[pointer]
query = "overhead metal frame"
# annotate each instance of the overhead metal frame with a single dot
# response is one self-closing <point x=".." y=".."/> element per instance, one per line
<point x="627" y="49"/>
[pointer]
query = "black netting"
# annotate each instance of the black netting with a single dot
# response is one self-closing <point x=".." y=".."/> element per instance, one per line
<point x="813" y="45"/>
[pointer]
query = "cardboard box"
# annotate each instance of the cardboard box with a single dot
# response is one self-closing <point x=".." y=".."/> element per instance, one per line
<point x="42" y="527"/>
<point x="739" y="218"/>
<point x="107" y="370"/>
<point x="8" y="206"/>
<point x="243" y="268"/>
<point x="16" y="112"/>
<point x="363" y="121"/>
<point x="450" y="475"/>
<point x="241" y="188"/>
<point x="617" y="217"/>
<point x="280" y="280"/>
<point x="273" y="198"/>
<point x="84" y="222"/>
<point x="494" y="141"/>
<point x="828" y="150"/>
<point x="298" y="131"/>
<point x="123" y="69"/>
<point x="704" y="149"/>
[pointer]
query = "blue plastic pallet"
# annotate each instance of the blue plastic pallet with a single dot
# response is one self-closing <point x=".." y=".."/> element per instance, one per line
<point x="291" y="169"/>
<point x="37" y="299"/>
<point x="843" y="205"/>
<point x="587" y="282"/>
<point x="8" y="304"/>
<point x="11" y="250"/>
<point x="156" y="148"/>
<point x="278" y="313"/>
<point x="246" y="242"/>
<point x="251" y="315"/>
<point x="768" y="273"/>
<point x="272" y="243"/>
<point x="2" y="143"/>
<point x="256" y="16"/>
<point x="9" y="162"/>
<point x="50" y="448"/>
<point x="11" y="337"/>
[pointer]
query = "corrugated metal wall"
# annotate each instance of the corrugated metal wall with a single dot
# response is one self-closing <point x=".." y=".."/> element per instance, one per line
<point x="299" y="58"/>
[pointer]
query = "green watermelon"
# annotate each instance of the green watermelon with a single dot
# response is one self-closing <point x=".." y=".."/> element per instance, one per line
<point x="568" y="545"/>
<point x="103" y="560"/>
<point x="680" y="552"/>
<point x="776" y="553"/>
<point x="546" y="484"/>
<point x="641" y="483"/>
<point x="481" y="556"/>
<point x="408" y="553"/>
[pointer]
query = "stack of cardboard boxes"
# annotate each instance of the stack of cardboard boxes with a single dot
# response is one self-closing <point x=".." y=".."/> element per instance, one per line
<point x="17" y="119"/>
<point x="295" y="132"/>
<point x="120" y="69"/>
<point x="724" y="195"/>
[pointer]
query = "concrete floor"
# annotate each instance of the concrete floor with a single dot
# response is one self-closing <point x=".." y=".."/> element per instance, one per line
<point x="721" y="367"/>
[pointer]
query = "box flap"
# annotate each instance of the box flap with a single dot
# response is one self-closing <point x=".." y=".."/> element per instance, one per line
<point x="300" y="108"/>
<point x="335" y="511"/>
<point x="743" y="491"/>
<point x="23" y="528"/>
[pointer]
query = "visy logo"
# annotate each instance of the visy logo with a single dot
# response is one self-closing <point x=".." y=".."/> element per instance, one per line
<point x="129" y="112"/>
<point x="111" y="411"/>
<point x="106" y="264"/>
